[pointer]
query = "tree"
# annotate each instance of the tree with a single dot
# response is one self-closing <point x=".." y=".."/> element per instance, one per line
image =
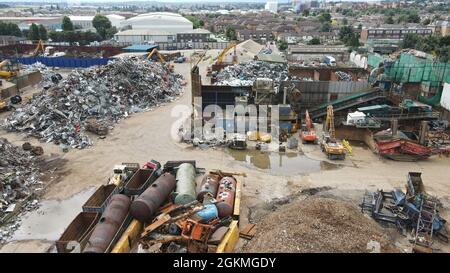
<point x="10" y="29"/>
<point x="426" y="22"/>
<point x="326" y="27"/>
<point x="282" y="45"/>
<point x="33" y="33"/>
<point x="67" y="24"/>
<point x="101" y="23"/>
<point x="389" y="20"/>
<point x="230" y="33"/>
<point x="325" y="17"/>
<point x="305" y="13"/>
<point x="413" y="18"/>
<point x="410" y="40"/>
<point x="42" y="32"/>
<point x="348" y="36"/>
<point x="345" y="21"/>
<point x="314" y="41"/>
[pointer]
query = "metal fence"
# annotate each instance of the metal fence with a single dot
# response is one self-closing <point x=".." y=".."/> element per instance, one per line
<point x="65" y="62"/>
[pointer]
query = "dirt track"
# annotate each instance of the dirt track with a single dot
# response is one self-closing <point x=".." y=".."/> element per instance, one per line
<point x="146" y="136"/>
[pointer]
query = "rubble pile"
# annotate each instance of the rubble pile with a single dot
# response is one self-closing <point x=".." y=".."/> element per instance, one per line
<point x="317" y="224"/>
<point x="244" y="74"/>
<point x="19" y="175"/>
<point x="107" y="94"/>
<point x="49" y="76"/>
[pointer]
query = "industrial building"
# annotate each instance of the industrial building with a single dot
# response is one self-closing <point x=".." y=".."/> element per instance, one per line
<point x="394" y="33"/>
<point x="159" y="21"/>
<point x="49" y="22"/>
<point x="85" y="22"/>
<point x="160" y="27"/>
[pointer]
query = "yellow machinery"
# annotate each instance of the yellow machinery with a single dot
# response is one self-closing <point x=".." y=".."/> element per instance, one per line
<point x="155" y="51"/>
<point x="329" y="145"/>
<point x="39" y="48"/>
<point x="224" y="52"/>
<point x="9" y="73"/>
<point x="160" y="58"/>
<point x="222" y="55"/>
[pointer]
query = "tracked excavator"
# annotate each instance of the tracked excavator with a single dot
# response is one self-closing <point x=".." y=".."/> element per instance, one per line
<point x="329" y="145"/>
<point x="308" y="134"/>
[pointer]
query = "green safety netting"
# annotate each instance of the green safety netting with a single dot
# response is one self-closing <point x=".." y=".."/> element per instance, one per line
<point x="374" y="60"/>
<point x="412" y="69"/>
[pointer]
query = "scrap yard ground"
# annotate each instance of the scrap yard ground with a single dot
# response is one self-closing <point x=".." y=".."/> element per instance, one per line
<point x="146" y="136"/>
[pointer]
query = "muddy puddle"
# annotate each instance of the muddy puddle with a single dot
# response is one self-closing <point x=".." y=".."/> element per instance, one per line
<point x="52" y="217"/>
<point x="288" y="163"/>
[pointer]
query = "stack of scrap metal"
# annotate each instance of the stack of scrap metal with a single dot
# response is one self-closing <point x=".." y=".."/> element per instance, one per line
<point x="107" y="94"/>
<point x="19" y="175"/>
<point x="415" y="210"/>
<point x="176" y="217"/>
<point x="245" y="74"/>
<point x="191" y="221"/>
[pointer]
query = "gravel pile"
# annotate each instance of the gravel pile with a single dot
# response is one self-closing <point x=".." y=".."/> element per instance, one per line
<point x="317" y="225"/>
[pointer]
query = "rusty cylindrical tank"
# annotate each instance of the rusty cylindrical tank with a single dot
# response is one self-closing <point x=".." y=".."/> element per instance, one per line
<point x="225" y="196"/>
<point x="210" y="184"/>
<point x="109" y="224"/>
<point x="185" y="184"/>
<point x="148" y="203"/>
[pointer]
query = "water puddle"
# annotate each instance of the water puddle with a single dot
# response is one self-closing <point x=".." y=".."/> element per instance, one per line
<point x="49" y="221"/>
<point x="288" y="163"/>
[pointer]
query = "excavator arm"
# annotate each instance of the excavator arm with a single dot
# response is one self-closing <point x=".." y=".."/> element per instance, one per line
<point x="224" y="52"/>
<point x="155" y="51"/>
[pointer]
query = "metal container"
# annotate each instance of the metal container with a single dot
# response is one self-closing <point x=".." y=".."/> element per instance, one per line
<point x="78" y="230"/>
<point x="100" y="199"/>
<point x="148" y="203"/>
<point x="185" y="184"/>
<point x="109" y="224"/>
<point x="225" y="196"/>
<point x="208" y="213"/>
<point x="141" y="179"/>
<point x="210" y="184"/>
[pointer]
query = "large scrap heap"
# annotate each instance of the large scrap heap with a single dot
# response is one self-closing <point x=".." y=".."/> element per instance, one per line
<point x="107" y="94"/>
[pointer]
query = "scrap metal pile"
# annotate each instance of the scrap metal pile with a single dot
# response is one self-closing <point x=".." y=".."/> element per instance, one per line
<point x="19" y="175"/>
<point x="49" y="77"/>
<point x="343" y="76"/>
<point x="244" y="74"/>
<point x="416" y="210"/>
<point x="107" y="94"/>
<point x="170" y="213"/>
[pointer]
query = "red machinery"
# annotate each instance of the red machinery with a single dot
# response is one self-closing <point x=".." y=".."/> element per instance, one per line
<point x="308" y="134"/>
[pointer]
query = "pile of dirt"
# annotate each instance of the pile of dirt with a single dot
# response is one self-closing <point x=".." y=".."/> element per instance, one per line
<point x="317" y="224"/>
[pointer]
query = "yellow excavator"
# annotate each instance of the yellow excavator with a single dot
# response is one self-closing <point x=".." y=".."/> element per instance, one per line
<point x="40" y="49"/>
<point x="160" y="58"/>
<point x="221" y="56"/>
<point x="329" y="145"/>
<point x="8" y="72"/>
